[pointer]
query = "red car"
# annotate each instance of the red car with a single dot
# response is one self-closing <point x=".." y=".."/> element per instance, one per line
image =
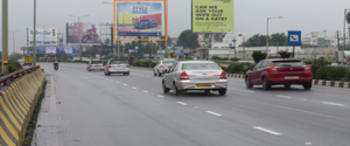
<point x="279" y="72"/>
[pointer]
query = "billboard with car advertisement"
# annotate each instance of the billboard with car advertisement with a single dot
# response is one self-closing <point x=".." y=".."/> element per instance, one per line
<point x="84" y="33"/>
<point x="212" y="16"/>
<point x="141" y="18"/>
<point x="44" y="37"/>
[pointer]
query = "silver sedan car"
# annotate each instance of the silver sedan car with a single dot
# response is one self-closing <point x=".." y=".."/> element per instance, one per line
<point x="195" y="75"/>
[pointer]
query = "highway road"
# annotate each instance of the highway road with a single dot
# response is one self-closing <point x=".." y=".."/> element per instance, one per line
<point x="92" y="109"/>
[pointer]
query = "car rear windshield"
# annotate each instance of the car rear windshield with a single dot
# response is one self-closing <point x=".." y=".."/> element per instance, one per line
<point x="200" y="66"/>
<point x="293" y="63"/>
<point x="119" y="62"/>
<point x="96" y="62"/>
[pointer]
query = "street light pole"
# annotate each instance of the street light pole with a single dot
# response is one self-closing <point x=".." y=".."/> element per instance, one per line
<point x="34" y="35"/>
<point x="4" y="36"/>
<point x="267" y="30"/>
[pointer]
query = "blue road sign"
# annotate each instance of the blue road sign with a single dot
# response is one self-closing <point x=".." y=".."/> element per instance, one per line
<point x="294" y="38"/>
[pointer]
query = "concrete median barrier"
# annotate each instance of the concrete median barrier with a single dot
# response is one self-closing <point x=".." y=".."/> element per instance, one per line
<point x="17" y="103"/>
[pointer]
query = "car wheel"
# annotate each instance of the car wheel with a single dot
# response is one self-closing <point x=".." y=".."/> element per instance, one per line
<point x="307" y="86"/>
<point x="248" y="84"/>
<point x="266" y="84"/>
<point x="159" y="74"/>
<point x="165" y="89"/>
<point x="287" y="86"/>
<point x="107" y="73"/>
<point x="207" y="92"/>
<point x="154" y="73"/>
<point x="177" y="91"/>
<point x="222" y="92"/>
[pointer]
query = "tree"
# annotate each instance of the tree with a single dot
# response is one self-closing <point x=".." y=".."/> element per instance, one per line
<point x="258" y="56"/>
<point x="277" y="39"/>
<point x="188" y="39"/>
<point x="285" y="54"/>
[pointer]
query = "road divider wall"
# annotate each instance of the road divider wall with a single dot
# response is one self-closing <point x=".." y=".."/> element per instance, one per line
<point x="17" y="103"/>
<point x="321" y="83"/>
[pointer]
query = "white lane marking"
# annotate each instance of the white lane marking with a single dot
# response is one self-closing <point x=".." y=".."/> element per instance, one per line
<point x="308" y="143"/>
<point x="160" y="96"/>
<point x="267" y="131"/>
<point x="214" y="113"/>
<point x="145" y="91"/>
<point x="332" y="103"/>
<point x="305" y="99"/>
<point x="283" y="96"/>
<point x="125" y="84"/>
<point x="182" y="103"/>
<point x="134" y="87"/>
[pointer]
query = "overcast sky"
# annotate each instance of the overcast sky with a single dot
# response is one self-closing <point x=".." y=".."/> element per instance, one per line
<point x="250" y="15"/>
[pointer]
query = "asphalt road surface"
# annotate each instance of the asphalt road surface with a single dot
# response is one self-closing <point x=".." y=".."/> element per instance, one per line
<point x="92" y="109"/>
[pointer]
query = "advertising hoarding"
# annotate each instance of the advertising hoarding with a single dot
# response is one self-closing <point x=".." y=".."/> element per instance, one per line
<point x="44" y="37"/>
<point x="140" y="18"/>
<point x="84" y="33"/>
<point x="212" y="16"/>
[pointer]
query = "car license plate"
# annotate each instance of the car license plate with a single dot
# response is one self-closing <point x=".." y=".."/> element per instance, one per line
<point x="291" y="77"/>
<point x="203" y="85"/>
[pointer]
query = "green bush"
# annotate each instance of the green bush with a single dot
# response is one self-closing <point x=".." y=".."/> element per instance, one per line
<point x="321" y="73"/>
<point x="347" y="78"/>
<point x="258" y="56"/>
<point x="337" y="73"/>
<point x="144" y="63"/>
<point x="239" y="68"/>
<point x="13" y="66"/>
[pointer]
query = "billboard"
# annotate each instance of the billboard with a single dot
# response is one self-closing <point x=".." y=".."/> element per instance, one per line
<point x="212" y="16"/>
<point x="84" y="33"/>
<point x="141" y="18"/>
<point x="44" y="37"/>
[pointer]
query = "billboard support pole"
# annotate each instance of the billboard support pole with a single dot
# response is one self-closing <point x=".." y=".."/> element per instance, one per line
<point x="4" y="36"/>
<point x="34" y="35"/>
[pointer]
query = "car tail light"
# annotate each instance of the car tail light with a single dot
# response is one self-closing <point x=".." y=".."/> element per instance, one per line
<point x="223" y="75"/>
<point x="90" y="65"/>
<point x="127" y="66"/>
<point x="161" y="66"/>
<point x="307" y="68"/>
<point x="272" y="69"/>
<point x="109" y="66"/>
<point x="184" y="76"/>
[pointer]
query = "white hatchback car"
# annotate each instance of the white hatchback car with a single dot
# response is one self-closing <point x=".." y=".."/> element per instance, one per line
<point x="117" y="66"/>
<point x="95" y="65"/>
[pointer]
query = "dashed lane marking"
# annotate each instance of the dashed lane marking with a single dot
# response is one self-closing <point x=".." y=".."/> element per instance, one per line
<point x="145" y="91"/>
<point x="267" y="131"/>
<point x="332" y="103"/>
<point x="182" y="103"/>
<point x="214" y="113"/>
<point x="284" y="97"/>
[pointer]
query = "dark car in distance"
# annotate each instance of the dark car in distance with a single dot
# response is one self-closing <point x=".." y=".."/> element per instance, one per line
<point x="279" y="72"/>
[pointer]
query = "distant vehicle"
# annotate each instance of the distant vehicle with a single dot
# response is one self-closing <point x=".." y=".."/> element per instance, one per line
<point x="195" y="75"/>
<point x="117" y="66"/>
<point x="56" y="65"/>
<point x="279" y="72"/>
<point x="145" y="24"/>
<point x="163" y="66"/>
<point x="95" y="65"/>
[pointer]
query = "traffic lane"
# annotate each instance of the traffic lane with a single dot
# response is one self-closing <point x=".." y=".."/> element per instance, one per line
<point x="318" y="95"/>
<point x="110" y="114"/>
<point x="277" y="110"/>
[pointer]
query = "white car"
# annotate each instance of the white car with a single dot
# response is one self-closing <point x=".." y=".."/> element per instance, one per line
<point x="95" y="65"/>
<point x="163" y="66"/>
<point x="117" y="66"/>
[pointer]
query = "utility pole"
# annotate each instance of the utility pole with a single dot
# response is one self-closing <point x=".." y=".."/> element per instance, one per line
<point x="34" y="35"/>
<point x="267" y="30"/>
<point x="4" y="36"/>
